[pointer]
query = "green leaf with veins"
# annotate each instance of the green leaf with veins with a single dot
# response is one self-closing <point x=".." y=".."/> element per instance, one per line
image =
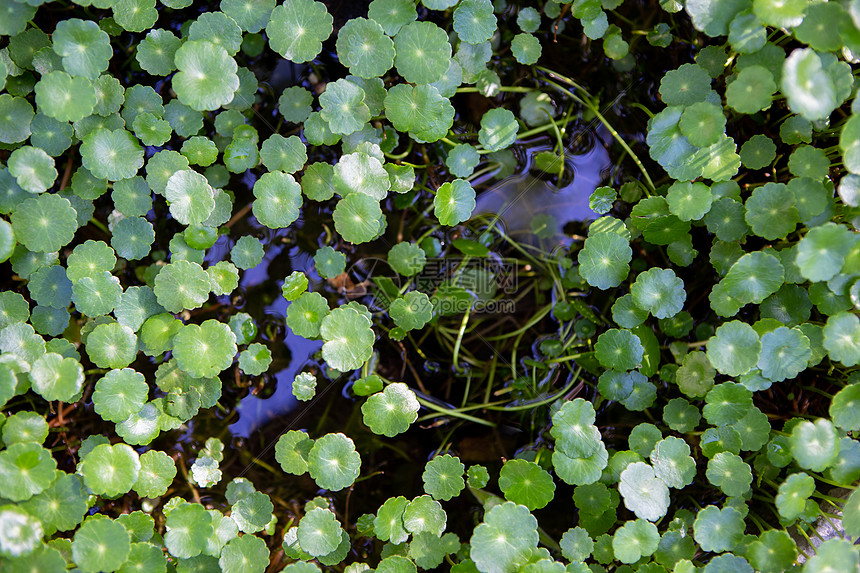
<point x="685" y="86"/>
<point x="89" y="549"/>
<point x="359" y="172"/>
<point x="443" y="477"/>
<point x="422" y="52"/>
<point x="110" y="470"/>
<point x="604" y="260"/>
<point x="343" y="107"/>
<point x="84" y="47"/>
<point x="204" y="350"/>
<point x="187" y="529"/>
<point x="727" y="403"/>
<point x="643" y="492"/>
<point x="526" y="483"/>
<point x="659" y="291"/>
<point x="388" y="524"/>
<point x="412" y="311"/>
<point x="363" y="46"/>
<point x="297" y="30"/>
<point x="754" y="277"/>
<point x="672" y="462"/>
<point x="752" y="90"/>
<point x="845" y="408"/>
<point x="770" y="211"/>
<point x="392" y="14"/>
<point x="505" y="539"/>
<point x="474" y="20"/>
<point x="808" y="88"/>
<point x="730" y="473"/>
<point x="333" y="462"/>
<point x="424" y="514"/>
<point x="454" y="202"/>
<point x="358" y="217"/>
<point x="734" y="349"/>
<point x="718" y="529"/>
<point x="618" y="349"/>
<point x="842" y="338"/>
<point x="291" y="452"/>
<point x="815" y="445"/>
<point x="634" y="540"/>
<point x="499" y="129"/>
<point x="207" y="77"/>
<point x="391" y="411"/>
<point x="785" y="353"/>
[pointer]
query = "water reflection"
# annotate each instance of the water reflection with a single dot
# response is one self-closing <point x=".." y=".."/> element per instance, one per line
<point x="255" y="412"/>
<point x="523" y="201"/>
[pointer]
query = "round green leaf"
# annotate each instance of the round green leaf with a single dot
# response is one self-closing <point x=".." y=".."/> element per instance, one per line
<point x="499" y="129"/>
<point x="785" y="353"/>
<point x="112" y="345"/>
<point x="821" y="253"/>
<point x="187" y="529"/>
<point x="454" y="202"/>
<point x="618" y="349"/>
<point x="842" y="338"/>
<point x="672" y="462"/>
<point x="363" y="46"/>
<point x="422" y="52"/>
<point x="443" y="477"/>
<point x="110" y="470"/>
<point x="751" y="91"/>
<point x="181" y="285"/>
<point x="84" y="47"/>
<point x="845" y="408"/>
<point x="343" y="107"/>
<point x="26" y="469"/>
<point x="278" y="198"/>
<point x="207" y="77"/>
<point x="56" y="378"/>
<point x="297" y="30"/>
<point x="112" y="155"/>
<point x="793" y="494"/>
<point x="643" y="492"/>
<point x="814" y="445"/>
<point x="659" y="291"/>
<point x="333" y="463"/>
<point x="734" y="349"/>
<point x="718" y="529"/>
<point x="391" y="411"/>
<point x="754" y="277"/>
<point x="604" y="260"/>
<point x="101" y="544"/>
<point x="729" y="472"/>
<point x="526" y="483"/>
<point x="292" y="451"/>
<point x="807" y="86"/>
<point x="304" y="386"/>
<point x="157" y="471"/>
<point x="204" y="350"/>
<point x="319" y="532"/>
<point x="505" y="539"/>
<point x="526" y="49"/>
<point x="190" y="197"/>
<point x="306" y="313"/>
<point x="357" y="217"/>
<point x="412" y="311"/>
<point x="474" y="20"/>
<point x="634" y="540"/>
<point x="348" y="338"/>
